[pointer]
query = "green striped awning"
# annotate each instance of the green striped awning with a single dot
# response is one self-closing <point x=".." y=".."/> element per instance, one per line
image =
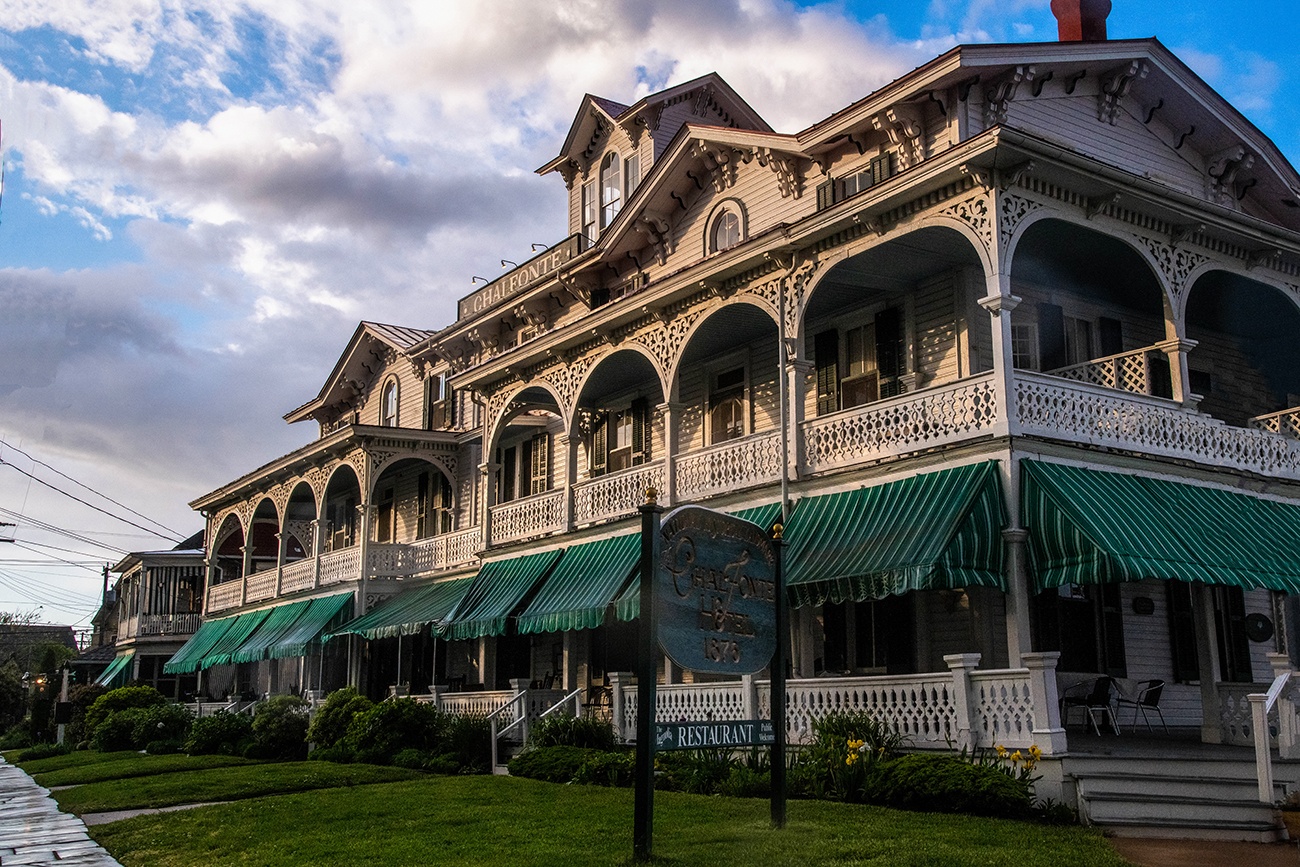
<point x="186" y="660"/>
<point x="223" y="651"/>
<point x="580" y="588"/>
<point x="320" y="614"/>
<point x="408" y="612"/>
<point x="1090" y="526"/>
<point x="627" y="607"/>
<point x="932" y="531"/>
<point x="498" y="588"/>
<point x="278" y="622"/>
<point x="116" y="673"/>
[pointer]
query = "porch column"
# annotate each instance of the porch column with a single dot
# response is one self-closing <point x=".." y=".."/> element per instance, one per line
<point x="246" y="565"/>
<point x="487" y="661"/>
<point x="317" y="547"/>
<point x="965" y="708"/>
<point x="567" y="448"/>
<point x="1288" y="739"/>
<point x="1176" y="348"/>
<point x="209" y="573"/>
<point x="1207" y="659"/>
<point x="999" y="304"/>
<point x="797" y="376"/>
<point x="279" y="560"/>
<point x="1018" y="631"/>
<point x="568" y="670"/>
<point x="669" y="412"/>
<point x="487" y="475"/>
<point x="1043" y="695"/>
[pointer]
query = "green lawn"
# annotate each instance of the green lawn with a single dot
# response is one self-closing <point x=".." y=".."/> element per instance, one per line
<point x="503" y="820"/>
<point x="79" y="759"/>
<point x="118" y="766"/>
<point x="221" y="784"/>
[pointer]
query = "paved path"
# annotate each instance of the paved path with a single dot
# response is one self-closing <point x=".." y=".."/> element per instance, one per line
<point x="33" y="831"/>
<point x="1205" y="853"/>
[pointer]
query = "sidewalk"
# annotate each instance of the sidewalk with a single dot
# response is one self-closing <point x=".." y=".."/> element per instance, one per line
<point x="1205" y="853"/>
<point x="33" y="831"/>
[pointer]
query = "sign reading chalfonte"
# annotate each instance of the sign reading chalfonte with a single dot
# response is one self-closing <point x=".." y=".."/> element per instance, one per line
<point x="519" y="279"/>
<point x="715" y="592"/>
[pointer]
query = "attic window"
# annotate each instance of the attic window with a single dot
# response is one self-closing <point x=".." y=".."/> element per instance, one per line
<point x="726" y="231"/>
<point x="388" y="405"/>
<point x="611" y="189"/>
<point x="837" y="190"/>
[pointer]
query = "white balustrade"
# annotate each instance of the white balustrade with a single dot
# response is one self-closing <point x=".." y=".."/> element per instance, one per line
<point x="169" y="624"/>
<point x="528" y="516"/>
<point x="478" y="703"/>
<point x="341" y="565"/>
<point x="298" y="575"/>
<point x="743" y="463"/>
<point x="223" y="596"/>
<point x="387" y="560"/>
<point x="261" y="585"/>
<point x="1046" y="406"/>
<point x="1285" y="422"/>
<point x="616" y="494"/>
<point x="1003" y="709"/>
<point x="1235" y="713"/>
<point x="445" y="551"/>
<point x="921" y="707"/>
<point x="1126" y="371"/>
<point x="898" y="425"/>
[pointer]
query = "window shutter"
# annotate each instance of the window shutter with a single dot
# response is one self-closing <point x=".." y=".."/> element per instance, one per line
<point x="889" y="350"/>
<point x="640" y="431"/>
<point x="540" y="475"/>
<point x="826" y="356"/>
<point x="427" y="422"/>
<point x="1111" y="335"/>
<point x="1182" y="633"/>
<point x="598" y="454"/>
<point x="1051" y="336"/>
<point x="825" y="195"/>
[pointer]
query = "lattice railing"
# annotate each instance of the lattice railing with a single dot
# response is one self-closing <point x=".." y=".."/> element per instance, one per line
<point x="478" y="703"/>
<point x="1235" y="713"/>
<point x="388" y="560"/>
<point x="445" y="551"/>
<point x="1077" y="412"/>
<point x="754" y="460"/>
<point x="341" y="565"/>
<point x="898" y="425"/>
<point x="261" y="585"/>
<point x="1127" y="371"/>
<point x="298" y="575"/>
<point x="1003" y="709"/>
<point x="169" y="624"/>
<point x="616" y="494"/>
<point x="920" y="706"/>
<point x="223" y="596"/>
<point x="1285" y="422"/>
<point x="529" y="516"/>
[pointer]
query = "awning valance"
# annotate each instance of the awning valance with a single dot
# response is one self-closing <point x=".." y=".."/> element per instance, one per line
<point x="583" y="583"/>
<point x="118" y="670"/>
<point x="498" y="588"/>
<point x="933" y="531"/>
<point x="1091" y="526"/>
<point x="223" y="651"/>
<point x="187" y="659"/>
<point x="278" y="622"/>
<point x="408" y="612"/>
<point x="320" y="615"/>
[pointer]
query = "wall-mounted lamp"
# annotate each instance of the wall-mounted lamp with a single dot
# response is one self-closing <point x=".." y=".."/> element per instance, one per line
<point x="506" y="263"/>
<point x="536" y="247"/>
<point x="476" y="279"/>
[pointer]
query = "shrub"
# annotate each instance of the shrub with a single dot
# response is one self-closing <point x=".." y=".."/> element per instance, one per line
<point x="168" y="722"/>
<point x="335" y="715"/>
<point x="616" y="768"/>
<point x="337" y="753"/>
<point x="948" y="784"/>
<point x="81" y="697"/>
<point x="163" y="748"/>
<point x="839" y="760"/>
<point x="116" y="731"/>
<point x="565" y="730"/>
<point x="378" y="734"/>
<point x="746" y="782"/>
<point x="697" y="772"/>
<point x="280" y="728"/>
<point x="44" y="751"/>
<point x="556" y="764"/>
<point x="465" y="744"/>
<point x="121" y="699"/>
<point x="223" y="733"/>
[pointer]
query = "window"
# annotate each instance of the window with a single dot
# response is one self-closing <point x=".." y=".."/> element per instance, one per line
<point x="1078" y="340"/>
<point x="385" y="525"/>
<point x="870" y="368"/>
<point x="611" y="189"/>
<point x="539" y="476"/>
<point x="439" y="403"/>
<point x="388" y="405"/>
<point x="1024" y="346"/>
<point x="619" y="439"/>
<point x="589" y="230"/>
<point x="631" y="174"/>
<point x="726" y="231"/>
<point x="839" y="189"/>
<point x="525" y="468"/>
<point x="1230" y="633"/>
<point x="727" y="415"/>
<point x="433" y="505"/>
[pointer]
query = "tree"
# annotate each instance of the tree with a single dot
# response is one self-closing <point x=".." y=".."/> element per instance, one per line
<point x="11" y="696"/>
<point x="20" y="618"/>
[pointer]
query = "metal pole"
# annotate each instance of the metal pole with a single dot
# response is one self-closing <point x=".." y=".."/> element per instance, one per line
<point x="63" y="698"/>
<point x="778" y="684"/>
<point x="643" y="811"/>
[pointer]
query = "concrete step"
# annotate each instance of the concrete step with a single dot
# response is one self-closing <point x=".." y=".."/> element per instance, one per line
<point x="1174" y="816"/>
<point x="1189" y="786"/>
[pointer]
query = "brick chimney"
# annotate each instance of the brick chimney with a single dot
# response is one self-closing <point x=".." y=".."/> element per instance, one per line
<point x="1081" y="20"/>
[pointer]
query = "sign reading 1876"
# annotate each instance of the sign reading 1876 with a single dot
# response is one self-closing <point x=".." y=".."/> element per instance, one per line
<point x="716" y="592"/>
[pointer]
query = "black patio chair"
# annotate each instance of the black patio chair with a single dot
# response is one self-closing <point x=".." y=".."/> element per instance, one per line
<point x="1094" y="699"/>
<point x="1147" y="698"/>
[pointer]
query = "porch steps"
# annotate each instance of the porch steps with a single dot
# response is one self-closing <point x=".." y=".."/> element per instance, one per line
<point x="1209" y="799"/>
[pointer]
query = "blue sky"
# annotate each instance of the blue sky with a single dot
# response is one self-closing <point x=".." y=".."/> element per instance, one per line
<point x="202" y="198"/>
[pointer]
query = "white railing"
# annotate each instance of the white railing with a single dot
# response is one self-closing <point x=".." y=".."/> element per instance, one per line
<point x="1125" y="371"/>
<point x="388" y="560"/>
<point x="445" y="551"/>
<point x="1235" y="713"/>
<point x="298" y="575"/>
<point x="223" y="596"/>
<point x="743" y="463"/>
<point x="341" y="565"/>
<point x="528" y="516"/>
<point x="1276" y="706"/>
<point x="169" y="624"/>
<point x="1074" y="411"/>
<point x="261" y="585"/>
<point x="616" y="494"/>
<point x="920" y="706"/>
<point x="475" y="703"/>
<point x="898" y="425"/>
<point x="1285" y="422"/>
<point x="1004" y="708"/>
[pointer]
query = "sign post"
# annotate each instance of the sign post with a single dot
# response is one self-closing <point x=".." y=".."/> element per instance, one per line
<point x="643" y="810"/>
<point x="778" y="683"/>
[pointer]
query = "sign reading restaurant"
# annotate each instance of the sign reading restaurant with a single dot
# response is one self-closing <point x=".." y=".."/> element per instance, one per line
<point x="533" y="271"/>
<point x="715" y="592"/>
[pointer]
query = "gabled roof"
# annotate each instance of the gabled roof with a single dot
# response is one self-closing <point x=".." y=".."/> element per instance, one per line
<point x="399" y="338"/>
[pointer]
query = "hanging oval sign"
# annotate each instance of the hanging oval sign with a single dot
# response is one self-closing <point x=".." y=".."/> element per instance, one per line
<point x="716" y="592"/>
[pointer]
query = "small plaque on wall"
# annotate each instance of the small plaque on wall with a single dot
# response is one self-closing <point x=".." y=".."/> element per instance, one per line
<point x="1258" y="627"/>
<point x="1143" y="605"/>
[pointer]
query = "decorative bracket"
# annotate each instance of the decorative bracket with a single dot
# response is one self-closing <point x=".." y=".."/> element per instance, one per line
<point x="904" y="126"/>
<point x="980" y="175"/>
<point x="598" y="134"/>
<point x="1262" y="258"/>
<point x="719" y="163"/>
<point x="1223" y="168"/>
<point x="1015" y="174"/>
<point x="1002" y="93"/>
<point x="1179" y="234"/>
<point x="657" y="231"/>
<point x="1096" y="204"/>
<point x="1117" y="86"/>
<point x="789" y="180"/>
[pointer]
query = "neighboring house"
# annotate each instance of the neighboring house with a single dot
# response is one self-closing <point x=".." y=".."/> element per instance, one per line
<point x="1028" y="318"/>
<point x="26" y="644"/>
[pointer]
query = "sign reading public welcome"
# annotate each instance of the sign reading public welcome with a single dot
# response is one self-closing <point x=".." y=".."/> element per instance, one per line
<point x="715" y="592"/>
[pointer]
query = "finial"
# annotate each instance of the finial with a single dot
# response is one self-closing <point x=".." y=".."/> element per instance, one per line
<point x="778" y="531"/>
<point x="651" y="496"/>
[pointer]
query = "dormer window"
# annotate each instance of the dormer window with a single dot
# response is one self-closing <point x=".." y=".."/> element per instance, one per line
<point x="725" y="233"/>
<point x="388" y="405"/>
<point x="589" y="231"/>
<point x="611" y="188"/>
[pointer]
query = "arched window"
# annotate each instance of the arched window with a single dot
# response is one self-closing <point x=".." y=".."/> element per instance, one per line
<point x="726" y="231"/>
<point x="388" y="405"/>
<point x="611" y="189"/>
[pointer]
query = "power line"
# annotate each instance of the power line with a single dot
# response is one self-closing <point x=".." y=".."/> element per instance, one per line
<point x="60" y="559"/>
<point x="84" y="486"/>
<point x="26" y="542"/>
<point x="50" y="528"/>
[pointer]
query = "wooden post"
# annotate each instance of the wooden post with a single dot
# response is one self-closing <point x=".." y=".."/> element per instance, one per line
<point x="643" y="812"/>
<point x="1047" y="731"/>
<point x="961" y="665"/>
